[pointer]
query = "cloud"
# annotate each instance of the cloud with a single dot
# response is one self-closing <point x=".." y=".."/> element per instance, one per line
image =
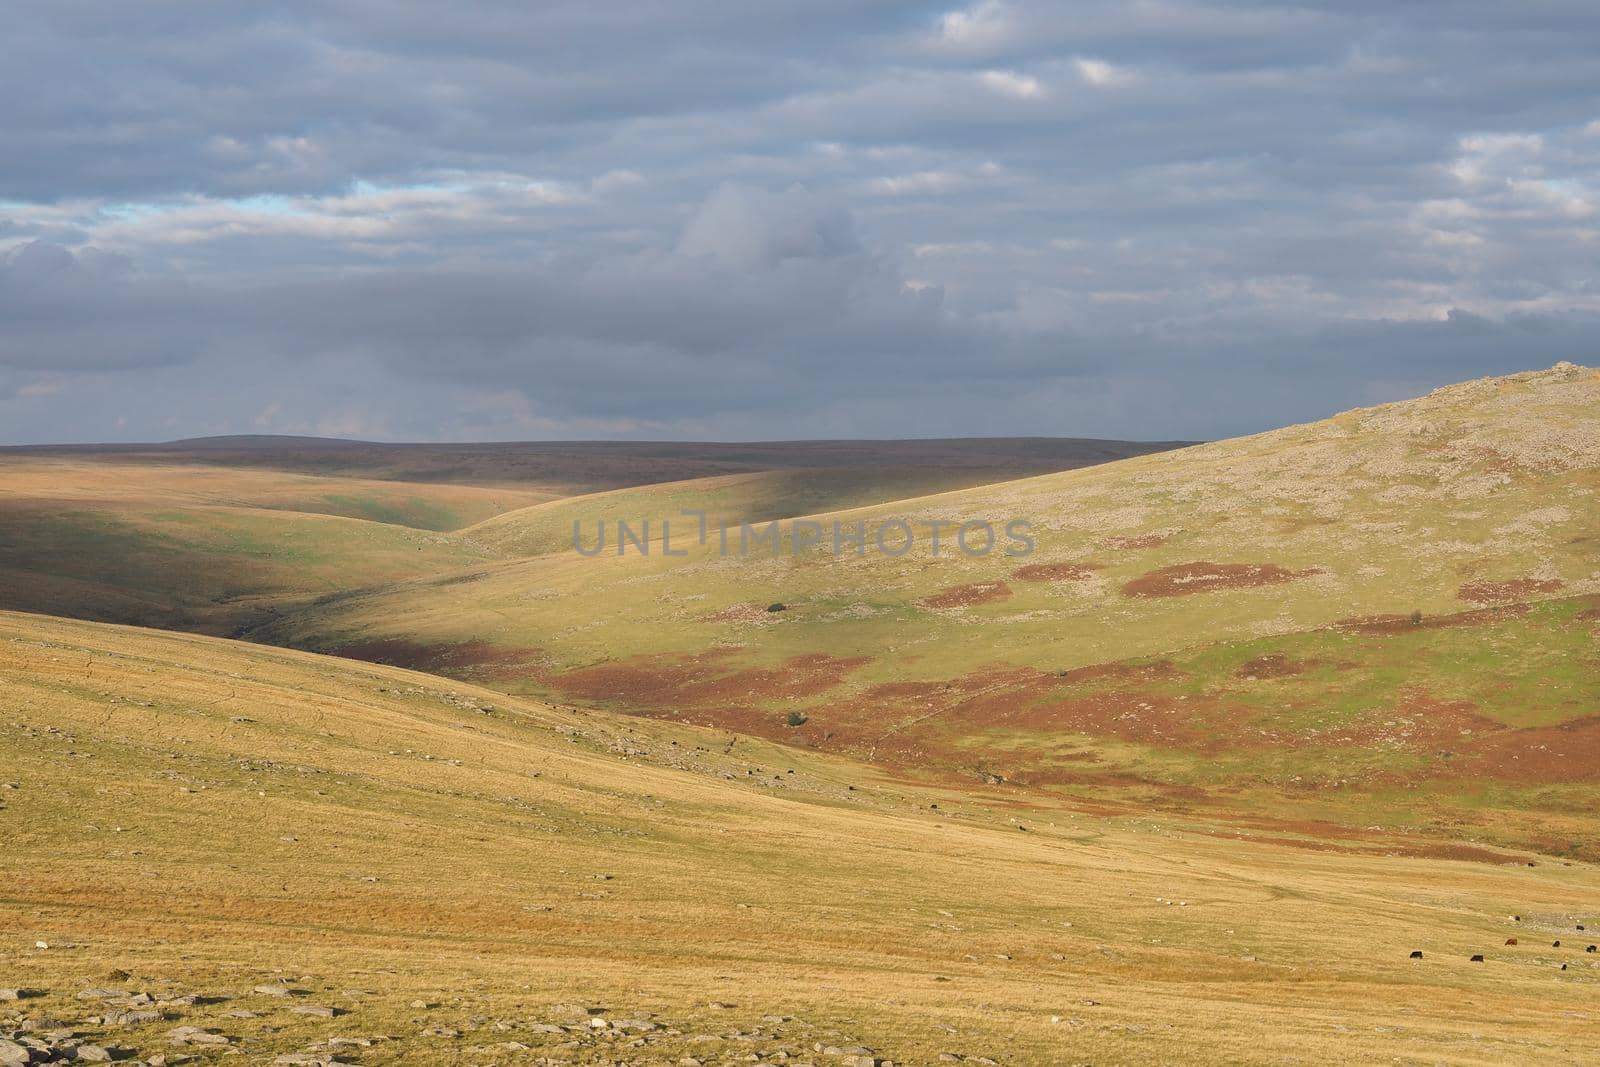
<point x="1184" y="217"/>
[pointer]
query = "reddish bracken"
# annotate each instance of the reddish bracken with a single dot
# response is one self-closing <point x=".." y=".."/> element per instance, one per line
<point x="1183" y="579"/>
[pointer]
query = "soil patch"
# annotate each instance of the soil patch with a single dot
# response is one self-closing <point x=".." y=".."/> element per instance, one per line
<point x="1202" y="577"/>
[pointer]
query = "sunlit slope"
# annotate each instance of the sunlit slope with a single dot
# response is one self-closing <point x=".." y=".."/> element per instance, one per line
<point x="1459" y="509"/>
<point x="454" y="871"/>
<point x="725" y="501"/>
<point x="211" y="549"/>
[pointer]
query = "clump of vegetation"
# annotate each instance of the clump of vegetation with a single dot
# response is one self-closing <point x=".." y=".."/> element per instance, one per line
<point x="797" y="718"/>
<point x="1416" y="617"/>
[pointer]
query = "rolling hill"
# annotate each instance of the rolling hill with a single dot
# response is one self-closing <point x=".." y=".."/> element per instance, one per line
<point x="215" y="849"/>
<point x="220" y="534"/>
<point x="1384" y="619"/>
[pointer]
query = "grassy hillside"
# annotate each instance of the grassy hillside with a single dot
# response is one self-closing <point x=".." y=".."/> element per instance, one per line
<point x="217" y="535"/>
<point x="1406" y="563"/>
<point x="726" y="500"/>
<point x="312" y="857"/>
<point x="196" y="547"/>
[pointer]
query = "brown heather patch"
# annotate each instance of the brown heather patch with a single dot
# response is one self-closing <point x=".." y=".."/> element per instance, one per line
<point x="1396" y="624"/>
<point x="1419" y="722"/>
<point x="1161" y="669"/>
<point x="1183" y="579"/>
<point x="1142" y="716"/>
<point x="964" y="596"/>
<point x="1055" y="572"/>
<point x="1507" y="590"/>
<point x="1566" y="752"/>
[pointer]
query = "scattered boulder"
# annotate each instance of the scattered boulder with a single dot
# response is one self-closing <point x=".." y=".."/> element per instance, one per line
<point x="193" y="1035"/>
<point x="319" y="1010"/>
<point x="1511" y="941"/>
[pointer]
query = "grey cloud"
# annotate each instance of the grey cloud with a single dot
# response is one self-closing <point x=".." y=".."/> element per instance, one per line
<point x="1182" y="218"/>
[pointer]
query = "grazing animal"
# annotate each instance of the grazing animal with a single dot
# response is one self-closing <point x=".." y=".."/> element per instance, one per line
<point x="1592" y="948"/>
<point x="1477" y="958"/>
<point x="1555" y="944"/>
<point x="1417" y="955"/>
<point x="1511" y="941"/>
<point x="1580" y="926"/>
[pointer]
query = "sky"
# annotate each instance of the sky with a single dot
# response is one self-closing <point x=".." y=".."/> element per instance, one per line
<point x="695" y="220"/>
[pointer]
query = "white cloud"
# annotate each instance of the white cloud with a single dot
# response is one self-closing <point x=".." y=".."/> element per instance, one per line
<point x="1007" y="83"/>
<point x="1103" y="75"/>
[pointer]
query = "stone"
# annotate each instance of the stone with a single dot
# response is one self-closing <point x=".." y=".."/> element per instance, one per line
<point x="275" y="989"/>
<point x="13" y="1054"/>
<point x="133" y="1018"/>
<point x="193" y="1035"/>
<point x="93" y="1054"/>
<point x="319" y="1010"/>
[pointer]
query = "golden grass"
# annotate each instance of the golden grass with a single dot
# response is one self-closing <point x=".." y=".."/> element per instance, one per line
<point x="207" y="816"/>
